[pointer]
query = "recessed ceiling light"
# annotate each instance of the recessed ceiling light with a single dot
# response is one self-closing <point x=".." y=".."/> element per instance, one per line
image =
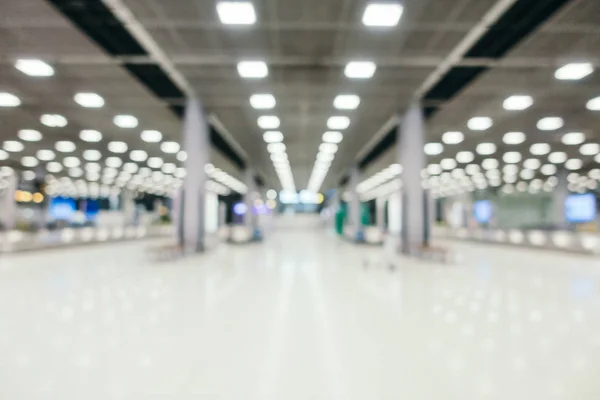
<point x="550" y="123"/>
<point x="151" y="136"/>
<point x="71" y="162"/>
<point x="65" y="146"/>
<point x="558" y="157"/>
<point x="328" y="148"/>
<point x="338" y="122"/>
<point x="573" y="138"/>
<point x="236" y="12"/>
<point x="346" y="102"/>
<point x="360" y="69"/>
<point x="53" y="120"/>
<point x="117" y="147"/>
<point x="13" y="146"/>
<point x="130" y="167"/>
<point x="3" y="156"/>
<point x="490" y="163"/>
<point x="512" y="157"/>
<point x="155" y="162"/>
<point x="276" y="148"/>
<point x="325" y="156"/>
<point x="472" y="169"/>
<point x="433" y="149"/>
<point x="548" y="169"/>
<point x="125" y="121"/>
<point x="434" y="169"/>
<point x="574" y="71"/>
<point x="448" y="163"/>
<point x="45" y="155"/>
<point x="273" y="137"/>
<point x="540" y="149"/>
<point x="465" y="157"/>
<point x="30" y="135"/>
<point x="590" y="149"/>
<point x="573" y="164"/>
<point x="262" y="101"/>
<point x="75" y="172"/>
<point x="485" y="149"/>
<point x="29" y="162"/>
<point x="113" y="162"/>
<point x="279" y="157"/>
<point x="268" y="122"/>
<point x="480" y="123"/>
<point x="453" y="137"/>
<point x="169" y="168"/>
<point x="594" y="104"/>
<point x="54" y="167"/>
<point x="89" y="100"/>
<point x="382" y="14"/>
<point x="512" y="138"/>
<point x="333" y="137"/>
<point x="510" y="170"/>
<point x="170" y="147"/>
<point x="93" y="167"/>
<point x="532" y="163"/>
<point x="182" y="156"/>
<point x="518" y="103"/>
<point x="34" y="68"/>
<point x="527" y="174"/>
<point x="90" y="135"/>
<point x="92" y="155"/>
<point x="252" y="69"/>
<point x="9" y="100"/>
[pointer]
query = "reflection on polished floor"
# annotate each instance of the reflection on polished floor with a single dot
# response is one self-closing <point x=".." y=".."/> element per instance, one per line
<point x="301" y="316"/>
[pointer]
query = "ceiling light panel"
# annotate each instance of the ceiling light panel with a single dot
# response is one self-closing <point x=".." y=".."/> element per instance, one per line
<point x="34" y="67"/>
<point x="333" y="137"/>
<point x="558" y="157"/>
<point x="262" y="101"/>
<point x="45" y="155"/>
<point x="360" y="69"/>
<point x="236" y="12"/>
<point x="540" y="149"/>
<point x="382" y="14"/>
<point x="53" y="120"/>
<point x="346" y="102"/>
<point x="268" y="122"/>
<point x="170" y="147"/>
<point x="90" y="135"/>
<point x="65" y="146"/>
<point x="590" y="149"/>
<point x="117" y="147"/>
<point x="518" y="103"/>
<point x="594" y="104"/>
<point x="433" y="149"/>
<point x="9" y="100"/>
<point x="92" y="155"/>
<point x="89" y="100"/>
<point x="125" y="121"/>
<point x="29" y="135"/>
<point x="574" y="71"/>
<point x="151" y="136"/>
<point x="550" y="123"/>
<point x="253" y="69"/>
<point x="453" y="137"/>
<point x="480" y="123"/>
<point x="486" y="149"/>
<point x="573" y="138"/>
<point x="513" y="138"/>
<point x="338" y="122"/>
<point x="273" y="137"/>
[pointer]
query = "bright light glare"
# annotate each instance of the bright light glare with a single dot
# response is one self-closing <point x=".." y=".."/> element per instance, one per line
<point x="53" y="120"/>
<point x="89" y="100"/>
<point x="360" y="69"/>
<point x="573" y="138"/>
<point x="9" y="100"/>
<point x="382" y="14"/>
<point x="45" y="155"/>
<point x="253" y="69"/>
<point x="433" y="149"/>
<point x="558" y="157"/>
<point x="518" y="103"/>
<point x="485" y="149"/>
<point x="590" y="149"/>
<point x="34" y="68"/>
<point x="513" y="138"/>
<point x="273" y="137"/>
<point x="65" y="146"/>
<point x="117" y="147"/>
<point x="333" y="137"/>
<point x="338" y="122"/>
<point x="92" y="155"/>
<point x="170" y="147"/>
<point x="594" y="104"/>
<point x="328" y="148"/>
<point x="574" y="71"/>
<point x="453" y="137"/>
<point x="125" y="121"/>
<point x="30" y="135"/>
<point x="480" y="123"/>
<point x="276" y="148"/>
<point x="90" y="135"/>
<point x="465" y="157"/>
<point x="346" y="102"/>
<point x="539" y="149"/>
<point x="268" y="122"/>
<point x="236" y="12"/>
<point x="151" y="136"/>
<point x="512" y="157"/>
<point x="550" y="123"/>
<point x="262" y="101"/>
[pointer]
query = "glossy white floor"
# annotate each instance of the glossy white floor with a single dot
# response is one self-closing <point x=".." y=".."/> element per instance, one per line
<point x="298" y="317"/>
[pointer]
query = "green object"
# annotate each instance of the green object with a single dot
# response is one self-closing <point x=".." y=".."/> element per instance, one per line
<point x="340" y="217"/>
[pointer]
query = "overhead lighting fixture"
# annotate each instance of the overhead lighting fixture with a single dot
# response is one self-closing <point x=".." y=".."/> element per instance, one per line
<point x="53" y="120"/>
<point x="65" y="146"/>
<point x="236" y="12"/>
<point x="453" y="137"/>
<point x="268" y="122"/>
<point x="262" y="101"/>
<point x="33" y="67"/>
<point x="548" y="169"/>
<point x="182" y="156"/>
<point x="169" y="168"/>
<point x="573" y="164"/>
<point x="360" y="69"/>
<point x="573" y="138"/>
<point x="273" y="137"/>
<point x="71" y="162"/>
<point x="155" y="162"/>
<point x="558" y="157"/>
<point x="92" y="155"/>
<point x="328" y="148"/>
<point x="9" y="100"/>
<point x="448" y="163"/>
<point x="113" y="162"/>
<point x="433" y="149"/>
<point x="550" y="123"/>
<point x="338" y="122"/>
<point x="252" y="69"/>
<point x="45" y="155"/>
<point x="485" y="149"/>
<point x="29" y="162"/>
<point x="490" y="163"/>
<point x="480" y="123"/>
<point x="90" y="135"/>
<point x="517" y="103"/>
<point x="532" y="163"/>
<point x="464" y="157"/>
<point x="333" y="137"/>
<point x="29" y="135"/>
<point x="346" y="102"/>
<point x="13" y="146"/>
<point x="574" y="71"/>
<point x="594" y="104"/>
<point x="125" y="121"/>
<point x="513" y="138"/>
<point x="540" y="149"/>
<point x="276" y="148"/>
<point x="170" y="147"/>
<point x="325" y="157"/>
<point x="54" y="167"/>
<point x="434" y="169"/>
<point x="89" y="100"/>
<point x="512" y="157"/>
<point x="151" y="136"/>
<point x="590" y="149"/>
<point x="117" y="147"/>
<point x="382" y="14"/>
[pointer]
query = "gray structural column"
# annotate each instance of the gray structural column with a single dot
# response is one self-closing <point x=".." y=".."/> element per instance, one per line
<point x="8" y="212"/>
<point x="559" y="196"/>
<point x="410" y="154"/>
<point x="354" y="212"/>
<point x="249" y="197"/>
<point x="196" y="143"/>
<point x="380" y="213"/>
